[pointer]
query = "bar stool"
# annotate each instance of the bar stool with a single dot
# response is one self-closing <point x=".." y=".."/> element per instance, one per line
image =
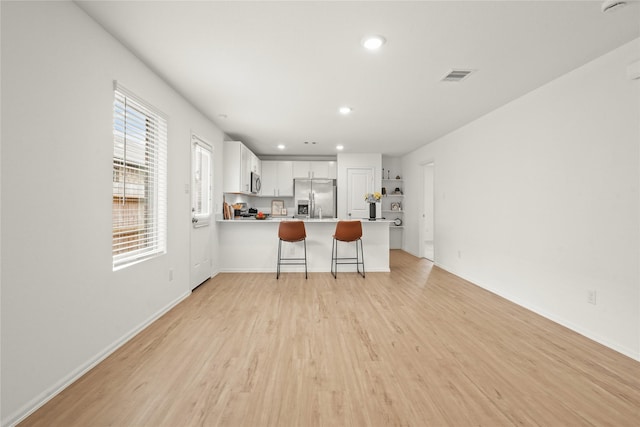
<point x="292" y="231"/>
<point x="347" y="231"/>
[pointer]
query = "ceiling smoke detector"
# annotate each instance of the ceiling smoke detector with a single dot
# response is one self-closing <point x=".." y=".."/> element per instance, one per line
<point x="612" y="5"/>
<point x="457" y="75"/>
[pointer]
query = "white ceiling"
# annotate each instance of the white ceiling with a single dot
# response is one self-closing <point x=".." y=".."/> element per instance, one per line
<point x="279" y="71"/>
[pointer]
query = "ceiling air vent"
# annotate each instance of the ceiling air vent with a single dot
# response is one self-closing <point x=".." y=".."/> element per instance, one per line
<point x="456" y="75"/>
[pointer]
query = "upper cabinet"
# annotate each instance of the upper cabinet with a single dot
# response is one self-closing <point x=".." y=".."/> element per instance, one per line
<point x="239" y="162"/>
<point x="277" y="178"/>
<point x="256" y="164"/>
<point x="315" y="169"/>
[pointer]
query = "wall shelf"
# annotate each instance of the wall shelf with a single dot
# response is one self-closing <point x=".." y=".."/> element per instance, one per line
<point x="392" y="203"/>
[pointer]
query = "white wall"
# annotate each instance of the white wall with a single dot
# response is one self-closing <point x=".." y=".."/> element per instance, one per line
<point x="1" y="418"/>
<point x="540" y="199"/>
<point x="392" y="167"/>
<point x="63" y="308"/>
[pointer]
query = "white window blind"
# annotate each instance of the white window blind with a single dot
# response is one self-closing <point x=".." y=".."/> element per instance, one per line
<point x="139" y="179"/>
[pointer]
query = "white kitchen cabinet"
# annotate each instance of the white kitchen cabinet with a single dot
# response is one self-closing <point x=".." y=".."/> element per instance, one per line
<point x="277" y="178"/>
<point x="269" y="178"/>
<point x="285" y="179"/>
<point x="256" y="164"/>
<point x="238" y="165"/>
<point x="315" y="169"/>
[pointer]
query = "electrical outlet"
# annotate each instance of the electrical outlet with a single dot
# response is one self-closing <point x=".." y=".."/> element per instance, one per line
<point x="591" y="297"/>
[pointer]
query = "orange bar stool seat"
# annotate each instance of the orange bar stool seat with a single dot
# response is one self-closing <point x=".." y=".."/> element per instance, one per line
<point x="292" y="232"/>
<point x="347" y="231"/>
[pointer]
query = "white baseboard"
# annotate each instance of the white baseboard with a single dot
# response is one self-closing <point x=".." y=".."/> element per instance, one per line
<point x="557" y="319"/>
<point x="37" y="402"/>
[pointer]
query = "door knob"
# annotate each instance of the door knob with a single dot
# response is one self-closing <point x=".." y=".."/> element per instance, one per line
<point x="194" y="220"/>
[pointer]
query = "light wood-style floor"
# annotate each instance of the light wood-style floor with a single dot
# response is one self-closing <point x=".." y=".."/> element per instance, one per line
<point x="414" y="347"/>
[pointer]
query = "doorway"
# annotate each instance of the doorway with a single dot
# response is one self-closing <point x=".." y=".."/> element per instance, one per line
<point x="427" y="217"/>
<point x="201" y="211"/>
<point x="359" y="183"/>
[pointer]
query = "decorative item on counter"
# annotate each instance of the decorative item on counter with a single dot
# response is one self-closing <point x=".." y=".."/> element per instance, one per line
<point x="396" y="206"/>
<point x="277" y="206"/>
<point x="397" y="191"/>
<point x="398" y="177"/>
<point x="226" y="213"/>
<point x="372" y="199"/>
<point x="261" y="215"/>
<point x="384" y="191"/>
<point x="397" y="222"/>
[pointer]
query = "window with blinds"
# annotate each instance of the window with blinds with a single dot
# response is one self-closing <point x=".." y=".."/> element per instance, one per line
<point x="139" y="180"/>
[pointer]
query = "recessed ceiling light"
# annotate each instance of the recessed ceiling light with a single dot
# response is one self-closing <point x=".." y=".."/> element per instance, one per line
<point x="281" y="147"/>
<point x="345" y="110"/>
<point x="373" y="42"/>
<point x="339" y="147"/>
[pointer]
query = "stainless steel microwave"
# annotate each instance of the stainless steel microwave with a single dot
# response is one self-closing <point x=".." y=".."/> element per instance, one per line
<point x="256" y="184"/>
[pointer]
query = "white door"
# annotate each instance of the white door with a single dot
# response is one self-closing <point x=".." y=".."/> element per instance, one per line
<point x="201" y="210"/>
<point x="359" y="182"/>
<point x="427" y="223"/>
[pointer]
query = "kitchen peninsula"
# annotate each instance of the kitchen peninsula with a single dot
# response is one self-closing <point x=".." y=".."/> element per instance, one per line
<point x="251" y="245"/>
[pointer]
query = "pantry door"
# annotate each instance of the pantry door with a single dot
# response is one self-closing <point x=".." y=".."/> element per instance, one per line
<point x="359" y="183"/>
<point x="201" y="210"/>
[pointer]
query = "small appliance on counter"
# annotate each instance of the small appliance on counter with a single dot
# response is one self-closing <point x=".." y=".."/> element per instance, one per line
<point x="240" y="209"/>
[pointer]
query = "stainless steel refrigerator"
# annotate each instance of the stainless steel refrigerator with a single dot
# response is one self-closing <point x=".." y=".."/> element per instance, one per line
<point x="315" y="198"/>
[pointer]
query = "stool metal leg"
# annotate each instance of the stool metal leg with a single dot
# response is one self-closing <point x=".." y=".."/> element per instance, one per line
<point x="292" y="261"/>
<point x="305" y="258"/>
<point x="361" y="255"/>
<point x="359" y="258"/>
<point x="279" y="253"/>
<point x="334" y="261"/>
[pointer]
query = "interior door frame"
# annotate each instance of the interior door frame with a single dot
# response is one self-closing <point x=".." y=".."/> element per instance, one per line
<point x="421" y="219"/>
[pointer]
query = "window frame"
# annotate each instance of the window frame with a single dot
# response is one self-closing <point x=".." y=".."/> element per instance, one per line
<point x="139" y="227"/>
<point x="201" y="218"/>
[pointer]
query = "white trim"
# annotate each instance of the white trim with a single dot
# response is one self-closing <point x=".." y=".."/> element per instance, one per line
<point x="41" y="399"/>
<point x="130" y="94"/>
<point x="197" y="139"/>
